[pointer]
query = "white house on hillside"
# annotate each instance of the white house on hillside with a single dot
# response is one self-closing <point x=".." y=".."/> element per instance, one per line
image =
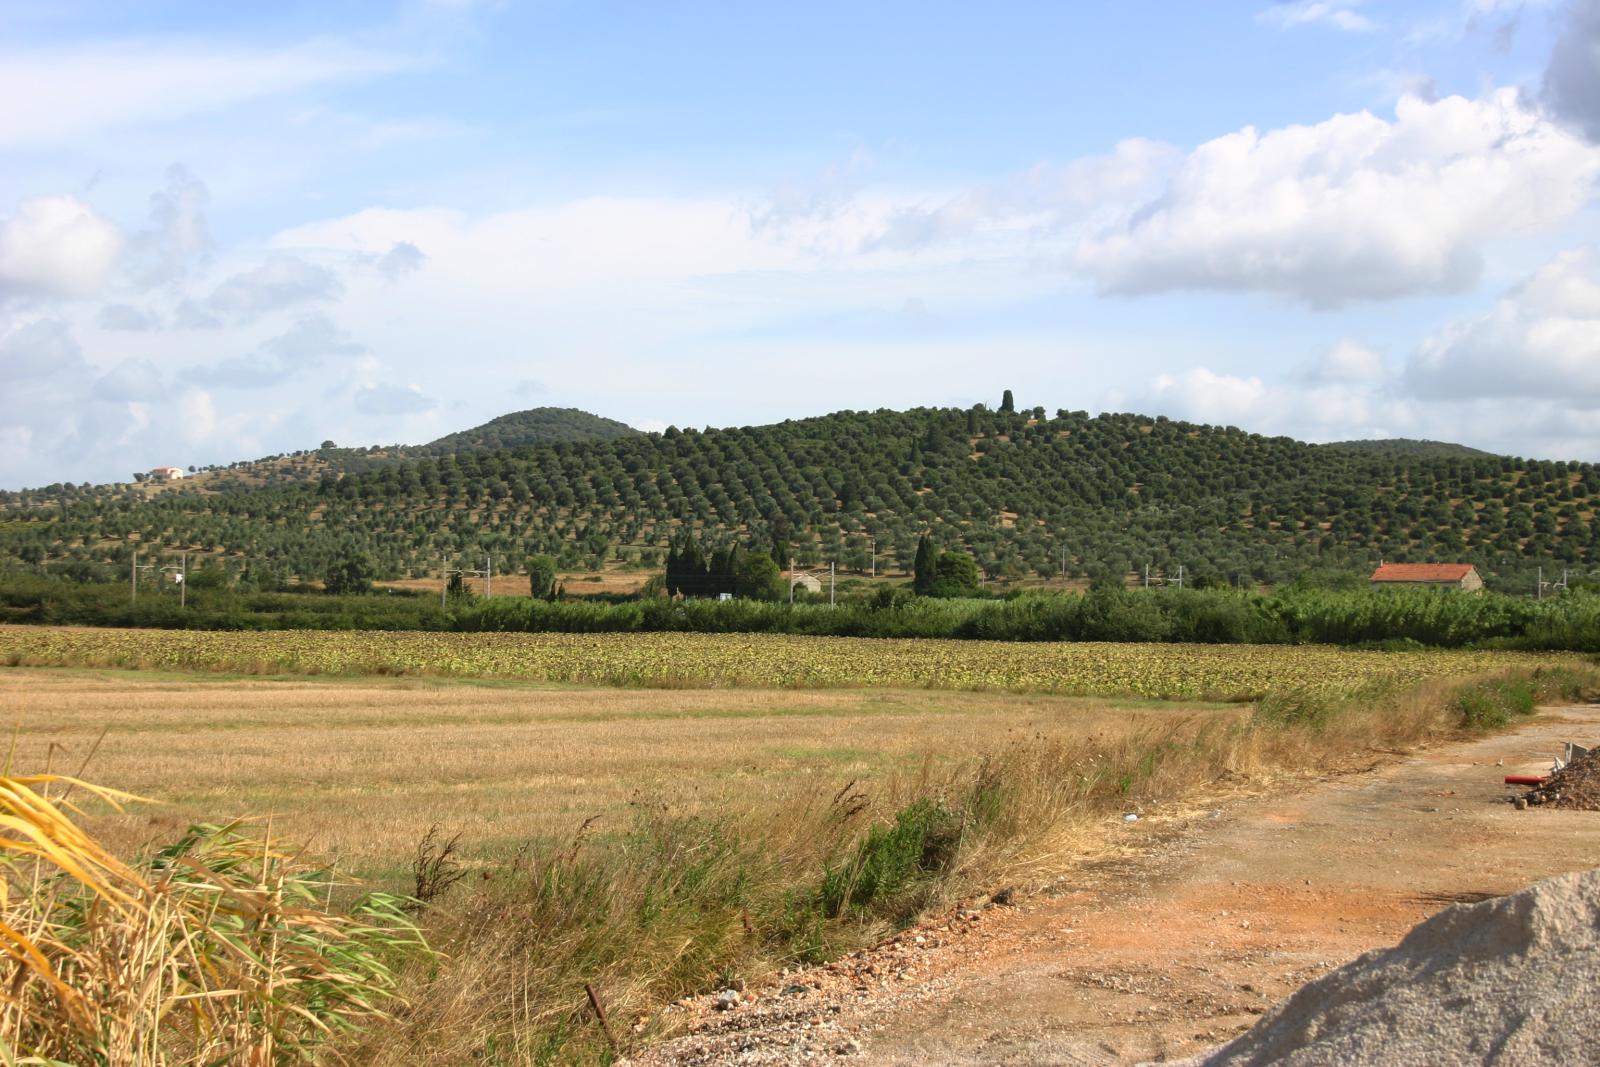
<point x="166" y="474"/>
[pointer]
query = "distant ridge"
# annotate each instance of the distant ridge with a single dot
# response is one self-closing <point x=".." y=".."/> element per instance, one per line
<point x="522" y="429"/>
<point x="1408" y="446"/>
<point x="1031" y="496"/>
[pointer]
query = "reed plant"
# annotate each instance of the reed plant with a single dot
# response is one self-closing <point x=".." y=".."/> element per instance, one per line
<point x="221" y="948"/>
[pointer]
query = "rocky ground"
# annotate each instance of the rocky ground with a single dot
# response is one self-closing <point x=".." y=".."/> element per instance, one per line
<point x="1576" y="786"/>
<point x="1202" y="923"/>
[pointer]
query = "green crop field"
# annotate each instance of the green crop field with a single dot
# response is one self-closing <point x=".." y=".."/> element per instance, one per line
<point x="1214" y="672"/>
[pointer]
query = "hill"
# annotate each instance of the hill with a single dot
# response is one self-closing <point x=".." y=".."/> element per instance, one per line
<point x="1407" y="446"/>
<point x="1026" y="494"/>
<point x="521" y="429"/>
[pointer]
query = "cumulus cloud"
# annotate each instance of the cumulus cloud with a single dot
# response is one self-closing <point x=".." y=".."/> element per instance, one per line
<point x="1542" y="339"/>
<point x="1572" y="78"/>
<point x="1349" y="361"/>
<point x="1311" y="409"/>
<point x="56" y="246"/>
<point x="280" y="282"/>
<point x="44" y="348"/>
<point x="385" y="399"/>
<point x="129" y="381"/>
<point x="402" y="259"/>
<point x="1523" y="378"/>
<point x="178" y="234"/>
<point x="1340" y="14"/>
<point x="126" y="317"/>
<point x="1353" y="208"/>
<point x="308" y="344"/>
<point x="1035" y="202"/>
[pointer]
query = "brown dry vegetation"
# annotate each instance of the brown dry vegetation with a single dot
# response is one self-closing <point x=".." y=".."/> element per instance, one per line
<point x="361" y="770"/>
<point x="739" y="830"/>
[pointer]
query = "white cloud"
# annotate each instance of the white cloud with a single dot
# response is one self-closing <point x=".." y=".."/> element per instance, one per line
<point x="1340" y="14"/>
<point x="384" y="399"/>
<point x="1349" y="361"/>
<point x="1522" y="379"/>
<point x="41" y="349"/>
<point x="130" y="380"/>
<point x="1541" y="340"/>
<point x="56" y="246"/>
<point x="278" y="283"/>
<point x="1034" y="203"/>
<point x="179" y="234"/>
<point x="125" y="317"/>
<point x="308" y="344"/>
<point x="65" y="94"/>
<point x="1353" y="208"/>
<point x="1572" y="79"/>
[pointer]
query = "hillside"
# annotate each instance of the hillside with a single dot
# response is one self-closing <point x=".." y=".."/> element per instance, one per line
<point x="1026" y="494"/>
<point x="519" y="429"/>
<point x="522" y="429"/>
<point x="1407" y="446"/>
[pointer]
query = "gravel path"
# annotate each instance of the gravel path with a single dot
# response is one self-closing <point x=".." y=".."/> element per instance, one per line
<point x="1203" y="923"/>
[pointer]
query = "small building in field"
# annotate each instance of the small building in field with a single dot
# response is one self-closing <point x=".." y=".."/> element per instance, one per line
<point x="166" y="474"/>
<point x="1462" y="576"/>
<point x="809" y="582"/>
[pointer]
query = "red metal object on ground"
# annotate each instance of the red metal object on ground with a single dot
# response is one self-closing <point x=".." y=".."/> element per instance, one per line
<point x="1526" y="779"/>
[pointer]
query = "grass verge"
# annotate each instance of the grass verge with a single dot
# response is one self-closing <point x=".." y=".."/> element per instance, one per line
<point x="679" y="905"/>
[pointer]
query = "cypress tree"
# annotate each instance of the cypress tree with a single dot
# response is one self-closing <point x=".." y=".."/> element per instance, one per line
<point x="1006" y="405"/>
<point x="924" y="570"/>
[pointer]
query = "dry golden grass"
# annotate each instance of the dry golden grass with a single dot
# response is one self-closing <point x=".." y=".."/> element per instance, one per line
<point x="360" y="770"/>
<point x="725" y="844"/>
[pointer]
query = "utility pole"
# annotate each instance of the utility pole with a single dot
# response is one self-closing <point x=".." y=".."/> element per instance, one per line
<point x="133" y="579"/>
<point x="1180" y="576"/>
<point x="488" y="575"/>
<point x="791" y="581"/>
<point x="183" y="580"/>
<point x="1147" y="576"/>
<point x="1539" y="588"/>
<point x="444" y="583"/>
<point x="830" y="584"/>
<point x="873" y="541"/>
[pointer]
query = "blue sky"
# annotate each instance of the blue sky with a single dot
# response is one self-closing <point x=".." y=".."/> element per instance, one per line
<point x="228" y="230"/>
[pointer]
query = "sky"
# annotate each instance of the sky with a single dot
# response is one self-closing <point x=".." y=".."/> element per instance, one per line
<point x="234" y="230"/>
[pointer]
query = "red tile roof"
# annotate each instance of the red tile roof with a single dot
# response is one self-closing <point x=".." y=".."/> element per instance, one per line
<point x="1421" y="572"/>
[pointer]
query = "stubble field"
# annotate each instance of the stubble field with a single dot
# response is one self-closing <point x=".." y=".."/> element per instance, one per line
<point x="360" y="769"/>
<point x="654" y="814"/>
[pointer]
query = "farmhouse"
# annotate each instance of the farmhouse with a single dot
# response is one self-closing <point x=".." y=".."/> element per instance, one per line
<point x="809" y="582"/>
<point x="1432" y="575"/>
<point x="167" y="474"/>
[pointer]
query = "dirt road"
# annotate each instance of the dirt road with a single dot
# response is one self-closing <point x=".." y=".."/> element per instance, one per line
<point x="1185" y="942"/>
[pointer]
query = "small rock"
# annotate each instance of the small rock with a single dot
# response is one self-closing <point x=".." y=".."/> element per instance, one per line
<point x="795" y="990"/>
<point x="727" y="1000"/>
<point x="1130" y="817"/>
<point x="848" y="1047"/>
<point x="1003" y="898"/>
<point x="1520" y="803"/>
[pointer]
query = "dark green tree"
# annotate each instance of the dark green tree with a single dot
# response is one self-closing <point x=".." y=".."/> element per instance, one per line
<point x="1007" y="405"/>
<point x="350" y="572"/>
<point x="955" y="575"/>
<point x="923" y="570"/>
<point x="757" y="576"/>
<point x="541" y="576"/>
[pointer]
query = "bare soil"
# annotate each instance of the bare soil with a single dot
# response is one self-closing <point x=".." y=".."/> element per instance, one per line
<point x="1180" y="943"/>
